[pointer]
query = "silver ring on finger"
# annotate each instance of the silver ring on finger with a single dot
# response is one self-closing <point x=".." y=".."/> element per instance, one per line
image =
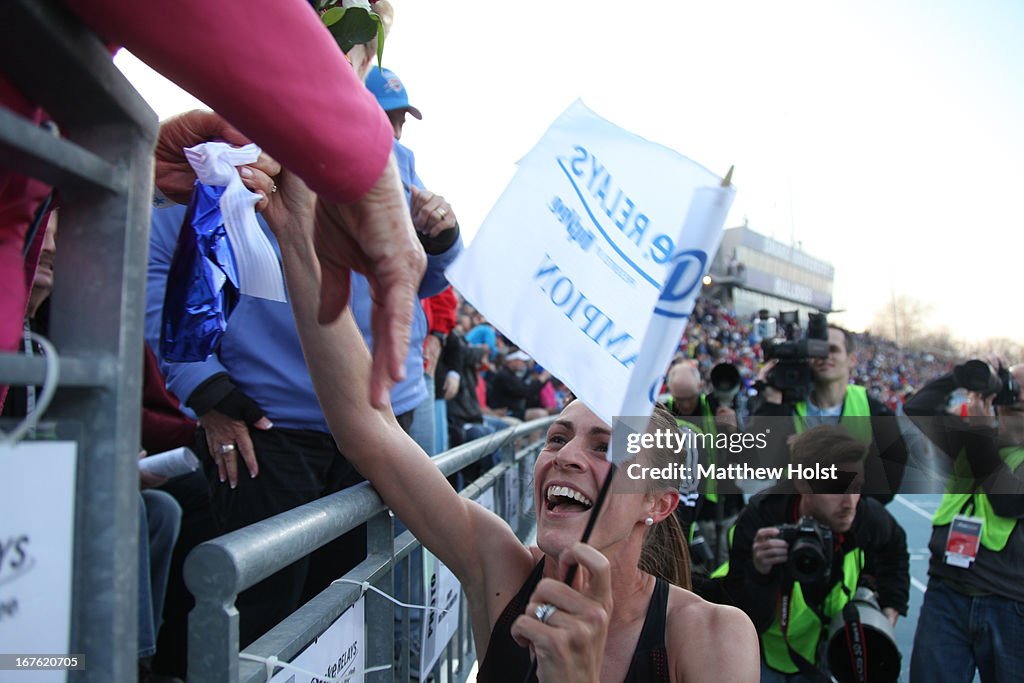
<point x="544" y="612"/>
<point x="226" y="448"/>
<point x="273" y="189"/>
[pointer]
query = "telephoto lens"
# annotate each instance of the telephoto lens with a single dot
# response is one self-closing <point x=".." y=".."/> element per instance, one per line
<point x="701" y="552"/>
<point x="978" y="376"/>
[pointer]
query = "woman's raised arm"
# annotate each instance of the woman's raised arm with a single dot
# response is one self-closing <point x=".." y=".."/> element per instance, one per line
<point x="460" y="532"/>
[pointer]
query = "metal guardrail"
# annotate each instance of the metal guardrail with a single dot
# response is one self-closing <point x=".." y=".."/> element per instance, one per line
<point x="218" y="570"/>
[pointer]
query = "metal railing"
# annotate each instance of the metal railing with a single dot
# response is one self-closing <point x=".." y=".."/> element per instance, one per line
<point x="218" y="570"/>
<point x="102" y="168"/>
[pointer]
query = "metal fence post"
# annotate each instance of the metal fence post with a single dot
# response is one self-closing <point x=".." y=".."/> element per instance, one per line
<point x="210" y="576"/>
<point x="103" y="169"/>
<point x="380" y="620"/>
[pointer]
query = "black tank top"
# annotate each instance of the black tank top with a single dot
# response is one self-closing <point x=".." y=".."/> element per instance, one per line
<point x="506" y="662"/>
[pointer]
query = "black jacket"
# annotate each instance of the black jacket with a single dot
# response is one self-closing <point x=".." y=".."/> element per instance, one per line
<point x="458" y="355"/>
<point x="999" y="573"/>
<point x="509" y="390"/>
<point x="874" y="531"/>
<point x="979" y="444"/>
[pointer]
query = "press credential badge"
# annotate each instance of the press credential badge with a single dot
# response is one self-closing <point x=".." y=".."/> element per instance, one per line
<point x="963" y="541"/>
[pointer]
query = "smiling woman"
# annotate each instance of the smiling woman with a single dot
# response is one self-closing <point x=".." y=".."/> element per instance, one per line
<point x="664" y="552"/>
<point x="620" y="619"/>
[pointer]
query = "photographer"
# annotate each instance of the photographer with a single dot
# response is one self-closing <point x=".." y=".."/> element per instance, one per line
<point x="708" y="414"/>
<point x="973" y="613"/>
<point x="799" y="552"/>
<point x="833" y="400"/>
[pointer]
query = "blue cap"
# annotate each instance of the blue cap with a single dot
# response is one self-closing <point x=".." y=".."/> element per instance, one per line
<point x="389" y="91"/>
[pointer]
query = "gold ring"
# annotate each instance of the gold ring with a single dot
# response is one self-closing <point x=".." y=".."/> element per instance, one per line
<point x="441" y="213"/>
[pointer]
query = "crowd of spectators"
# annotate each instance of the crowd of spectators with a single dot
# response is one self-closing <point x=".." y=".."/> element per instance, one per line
<point x="892" y="374"/>
<point x="716" y="334"/>
<point x="509" y="385"/>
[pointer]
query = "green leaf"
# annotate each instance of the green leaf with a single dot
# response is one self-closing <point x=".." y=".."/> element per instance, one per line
<point x="332" y="16"/>
<point x="355" y="27"/>
<point x="380" y="42"/>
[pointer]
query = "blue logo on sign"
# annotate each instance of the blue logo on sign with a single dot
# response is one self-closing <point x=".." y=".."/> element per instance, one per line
<point x="652" y="393"/>
<point x="676" y="297"/>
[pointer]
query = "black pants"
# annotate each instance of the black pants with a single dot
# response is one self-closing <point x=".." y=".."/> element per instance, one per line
<point x="337" y="557"/>
<point x="295" y="467"/>
<point x="198" y="524"/>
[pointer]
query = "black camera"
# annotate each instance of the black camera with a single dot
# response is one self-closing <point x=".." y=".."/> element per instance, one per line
<point x="700" y="551"/>
<point x="979" y="376"/>
<point x="810" y="550"/>
<point x="792" y="375"/>
<point x="725" y="384"/>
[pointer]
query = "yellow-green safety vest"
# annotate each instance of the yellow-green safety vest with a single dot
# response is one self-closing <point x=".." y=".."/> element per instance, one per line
<point x="723" y="571"/>
<point x="995" y="530"/>
<point x="711" y="491"/>
<point x="805" y="628"/>
<point x="855" y="405"/>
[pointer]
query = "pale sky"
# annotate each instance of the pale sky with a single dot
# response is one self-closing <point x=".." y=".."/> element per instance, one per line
<point x="885" y="137"/>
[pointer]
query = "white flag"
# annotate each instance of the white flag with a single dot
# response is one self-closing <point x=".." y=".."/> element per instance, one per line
<point x="259" y="271"/>
<point x="592" y="258"/>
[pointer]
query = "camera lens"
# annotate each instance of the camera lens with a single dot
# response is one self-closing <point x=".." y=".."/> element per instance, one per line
<point x="807" y="561"/>
<point x="977" y="375"/>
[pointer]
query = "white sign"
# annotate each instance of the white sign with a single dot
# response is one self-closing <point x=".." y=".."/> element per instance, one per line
<point x="171" y="463"/>
<point x="37" y="522"/>
<point x="592" y="258"/>
<point x="338" y="652"/>
<point x="486" y="499"/>
<point x="512" y="496"/>
<point x="443" y="591"/>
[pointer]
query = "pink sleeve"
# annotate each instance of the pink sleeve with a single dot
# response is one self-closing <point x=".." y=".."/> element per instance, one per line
<point x="20" y="195"/>
<point x="272" y="70"/>
<point x="547" y="398"/>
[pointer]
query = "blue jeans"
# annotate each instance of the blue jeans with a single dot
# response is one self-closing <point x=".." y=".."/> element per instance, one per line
<point x="440" y="426"/>
<point x="957" y="634"/>
<point x="159" y="523"/>
<point x="495" y="423"/>
<point x="422" y="431"/>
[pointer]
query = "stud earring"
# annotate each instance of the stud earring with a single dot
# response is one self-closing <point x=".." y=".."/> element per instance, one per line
<point x="649" y="521"/>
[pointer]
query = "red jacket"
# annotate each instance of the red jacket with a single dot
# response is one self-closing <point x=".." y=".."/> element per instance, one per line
<point x="440" y="311"/>
<point x="164" y="426"/>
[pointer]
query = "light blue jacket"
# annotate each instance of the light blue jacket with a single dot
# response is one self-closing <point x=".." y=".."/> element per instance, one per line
<point x="260" y="350"/>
